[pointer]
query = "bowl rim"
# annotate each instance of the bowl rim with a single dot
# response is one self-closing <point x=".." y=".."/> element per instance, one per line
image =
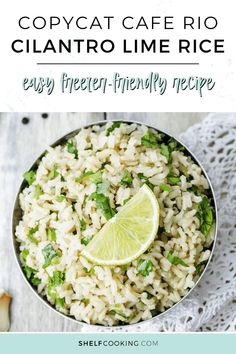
<point x="15" y="220"/>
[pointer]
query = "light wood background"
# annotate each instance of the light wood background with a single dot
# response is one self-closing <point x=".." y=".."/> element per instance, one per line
<point x="20" y="145"/>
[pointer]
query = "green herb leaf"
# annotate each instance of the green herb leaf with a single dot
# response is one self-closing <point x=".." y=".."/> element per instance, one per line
<point x="126" y="179"/>
<point x="30" y="177"/>
<point x="38" y="191"/>
<point x="124" y="268"/>
<point x="173" y="179"/>
<point x="145" y="180"/>
<point x="52" y="291"/>
<point x="164" y="187"/>
<point x="113" y="127"/>
<point x="141" y="176"/>
<point x="199" y="267"/>
<point x="29" y="272"/>
<point x="83" y="225"/>
<point x="205" y="215"/>
<point x="119" y="313"/>
<point x="49" y="255"/>
<point x="195" y="190"/>
<point x="150" y="140"/>
<point x="102" y="188"/>
<point x="103" y="202"/>
<point x="51" y="234"/>
<point x="126" y="200"/>
<point x="24" y="255"/>
<point x="140" y="305"/>
<point x="91" y="177"/>
<point x="84" y="175"/>
<point x="35" y="281"/>
<point x="176" y="260"/>
<point x="90" y="271"/>
<point x="145" y="266"/>
<point x="54" y="173"/>
<point x="95" y="177"/>
<point x="165" y="152"/>
<point x="175" y="146"/>
<point x="58" y="278"/>
<point x="60" y="198"/>
<point x="172" y="144"/>
<point x="31" y="234"/>
<point x="60" y="302"/>
<point x="30" y="275"/>
<point x="85" y="240"/>
<point x="71" y="148"/>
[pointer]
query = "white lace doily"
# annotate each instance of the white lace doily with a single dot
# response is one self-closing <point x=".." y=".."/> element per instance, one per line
<point x="211" y="306"/>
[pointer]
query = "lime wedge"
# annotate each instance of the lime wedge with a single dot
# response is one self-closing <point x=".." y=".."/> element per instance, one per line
<point x="128" y="234"/>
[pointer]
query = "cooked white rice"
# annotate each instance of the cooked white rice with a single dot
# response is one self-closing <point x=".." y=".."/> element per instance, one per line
<point x="101" y="294"/>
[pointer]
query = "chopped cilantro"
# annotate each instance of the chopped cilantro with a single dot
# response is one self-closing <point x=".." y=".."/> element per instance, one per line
<point x="35" y="281"/>
<point x="30" y="275"/>
<point x="194" y="189"/>
<point x="71" y="148"/>
<point x="140" y="305"/>
<point x="199" y="267"/>
<point x="205" y="215"/>
<point x="90" y="271"/>
<point x="166" y="152"/>
<point x="119" y="313"/>
<point x="124" y="268"/>
<point x="126" y="179"/>
<point x="126" y="200"/>
<point x="60" y="302"/>
<point x="84" y="175"/>
<point x="145" y="180"/>
<point x="58" y="278"/>
<point x="103" y="187"/>
<point x="173" y="179"/>
<point x="176" y="260"/>
<point x="24" y="255"/>
<point x="172" y="144"/>
<point x="102" y="202"/>
<point x="31" y="234"/>
<point x="54" y="173"/>
<point x="51" y="234"/>
<point x="30" y="177"/>
<point x="49" y="255"/>
<point x="95" y="177"/>
<point x="165" y="187"/>
<point x="51" y="291"/>
<point x="113" y="127"/>
<point x="83" y="225"/>
<point x="60" y="198"/>
<point x="38" y="191"/>
<point x="145" y="266"/>
<point x="91" y="177"/>
<point x="85" y="240"/>
<point x="29" y="271"/>
<point x="150" y="140"/>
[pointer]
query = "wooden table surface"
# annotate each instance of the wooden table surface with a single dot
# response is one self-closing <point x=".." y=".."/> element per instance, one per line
<point x="20" y="145"/>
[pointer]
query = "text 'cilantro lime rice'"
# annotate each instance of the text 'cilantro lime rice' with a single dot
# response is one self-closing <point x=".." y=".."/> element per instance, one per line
<point x="78" y="187"/>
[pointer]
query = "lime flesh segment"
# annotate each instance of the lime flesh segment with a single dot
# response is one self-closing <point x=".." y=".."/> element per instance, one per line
<point x="128" y="234"/>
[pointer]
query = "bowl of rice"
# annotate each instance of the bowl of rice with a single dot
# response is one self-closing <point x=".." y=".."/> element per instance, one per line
<point x="77" y="187"/>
